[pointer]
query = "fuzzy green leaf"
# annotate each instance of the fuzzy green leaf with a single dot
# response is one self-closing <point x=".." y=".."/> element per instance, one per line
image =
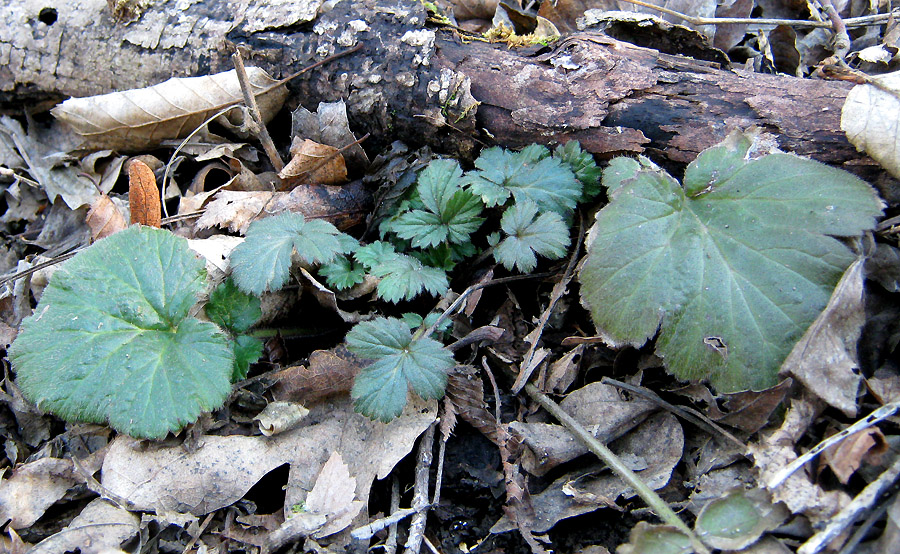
<point x="583" y="165"/>
<point x="232" y="309"/>
<point x="528" y="234"/>
<point x="263" y="261"/>
<point x="399" y="363"/>
<point x="450" y="213"/>
<point x="732" y="276"/>
<point x="530" y="174"/>
<point x="342" y="273"/>
<point x="373" y="254"/>
<point x="111" y="340"/>
<point x="247" y="350"/>
<point x="403" y="277"/>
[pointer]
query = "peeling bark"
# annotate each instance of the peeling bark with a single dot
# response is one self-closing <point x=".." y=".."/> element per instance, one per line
<point x="425" y="85"/>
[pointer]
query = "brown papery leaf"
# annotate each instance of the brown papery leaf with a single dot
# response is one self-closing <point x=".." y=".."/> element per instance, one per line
<point x="104" y="218"/>
<point x="143" y="195"/>
<point x="329" y="372"/>
<point x="315" y="163"/>
<point x="141" y="118"/>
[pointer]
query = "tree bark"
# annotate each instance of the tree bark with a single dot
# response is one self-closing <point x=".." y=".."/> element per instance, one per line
<point x="425" y="85"/>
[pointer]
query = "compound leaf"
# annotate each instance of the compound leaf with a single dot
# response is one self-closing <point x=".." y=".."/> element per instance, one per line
<point x="731" y="276"/>
<point x="372" y="254"/>
<point x="403" y="277"/>
<point x="399" y="362"/>
<point x="342" y="273"/>
<point x="111" y="340"/>
<point x="263" y="261"/>
<point x="247" y="350"/>
<point x="528" y="234"/>
<point x="583" y="165"/>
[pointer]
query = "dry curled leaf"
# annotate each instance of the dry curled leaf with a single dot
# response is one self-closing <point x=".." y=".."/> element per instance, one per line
<point x="143" y="195"/>
<point x="104" y="218"/>
<point x="140" y="118"/>
<point x="314" y="163"/>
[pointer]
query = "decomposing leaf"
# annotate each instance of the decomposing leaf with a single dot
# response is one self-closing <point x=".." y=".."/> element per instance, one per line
<point x="32" y="488"/>
<point x="750" y="410"/>
<point x="333" y="496"/>
<point x="104" y="218"/>
<point x="869" y="117"/>
<point x="719" y="266"/>
<point x="143" y="196"/>
<point x="329" y="125"/>
<point x="314" y="163"/>
<point x="224" y="468"/>
<point x="279" y="417"/>
<point x="343" y="206"/>
<point x="848" y="455"/>
<point x="825" y="359"/>
<point x="139" y="119"/>
<point x="328" y="372"/>
<point x="100" y="528"/>
<point x="646" y="538"/>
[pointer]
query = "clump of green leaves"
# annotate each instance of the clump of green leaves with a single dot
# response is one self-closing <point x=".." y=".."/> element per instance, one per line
<point x="730" y="267"/>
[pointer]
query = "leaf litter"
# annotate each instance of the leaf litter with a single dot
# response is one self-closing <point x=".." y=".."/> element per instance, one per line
<point x="300" y="417"/>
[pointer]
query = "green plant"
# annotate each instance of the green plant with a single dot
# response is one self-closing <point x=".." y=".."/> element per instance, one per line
<point x="729" y="268"/>
<point x="113" y="339"/>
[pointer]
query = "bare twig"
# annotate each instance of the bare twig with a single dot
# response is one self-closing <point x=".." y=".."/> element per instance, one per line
<point x="420" y="492"/>
<point x="623" y="471"/>
<point x="259" y="127"/>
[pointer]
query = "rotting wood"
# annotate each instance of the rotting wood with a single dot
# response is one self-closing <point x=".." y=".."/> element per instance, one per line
<point x="424" y="85"/>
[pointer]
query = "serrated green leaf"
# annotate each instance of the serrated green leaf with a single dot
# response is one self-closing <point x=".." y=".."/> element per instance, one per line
<point x="247" y="350"/>
<point x="230" y="308"/>
<point x="399" y="362"/>
<point x="371" y="255"/>
<point x="530" y="174"/>
<point x="449" y="214"/>
<point x="341" y="273"/>
<point x="620" y="170"/>
<point x="583" y="165"/>
<point x="111" y="340"/>
<point x="731" y="277"/>
<point x="263" y="261"/>
<point x="717" y="164"/>
<point x="528" y="234"/>
<point x="403" y="277"/>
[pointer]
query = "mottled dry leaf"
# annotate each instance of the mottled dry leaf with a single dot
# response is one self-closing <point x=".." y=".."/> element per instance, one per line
<point x="141" y="118"/>
<point x="466" y="391"/>
<point x="143" y="196"/>
<point x="343" y="206"/>
<point x="99" y="529"/>
<point x="750" y="410"/>
<point x="32" y="488"/>
<point x="564" y="370"/>
<point x="848" y="455"/>
<point x="104" y="218"/>
<point x="825" y="359"/>
<point x="314" y="163"/>
<point x="279" y="417"/>
<point x="333" y="496"/>
<point x="329" y="372"/>
<point x="869" y="117"/>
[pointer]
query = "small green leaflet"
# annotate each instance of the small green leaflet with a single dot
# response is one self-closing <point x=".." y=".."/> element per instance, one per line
<point x="247" y="350"/>
<point x="530" y="174"/>
<point x="111" y="339"/>
<point x="730" y="269"/>
<point x="450" y="214"/>
<point x="403" y="277"/>
<point x="399" y="362"/>
<point x="230" y="308"/>
<point x="583" y="165"/>
<point x="529" y="233"/>
<point x="342" y="273"/>
<point x="263" y="261"/>
<point x="371" y="255"/>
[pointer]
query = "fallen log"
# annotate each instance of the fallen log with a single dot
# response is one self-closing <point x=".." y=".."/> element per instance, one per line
<point x="424" y="84"/>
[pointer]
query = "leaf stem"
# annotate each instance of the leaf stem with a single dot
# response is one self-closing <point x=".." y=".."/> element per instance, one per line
<point x="652" y="499"/>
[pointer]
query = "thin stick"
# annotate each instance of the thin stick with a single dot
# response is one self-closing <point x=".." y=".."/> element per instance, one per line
<point x="259" y="127"/>
<point x="652" y="499"/>
<point x="420" y="492"/>
<point x="685" y="413"/>
<point x="851" y="22"/>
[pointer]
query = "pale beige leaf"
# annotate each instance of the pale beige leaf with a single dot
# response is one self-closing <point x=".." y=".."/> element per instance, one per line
<point x="32" y="488"/>
<point x="140" y="118"/>
<point x="333" y="496"/>
<point x="99" y="529"/>
<point x="870" y="118"/>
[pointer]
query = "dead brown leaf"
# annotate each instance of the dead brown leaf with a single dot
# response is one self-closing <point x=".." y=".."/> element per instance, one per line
<point x="104" y="218"/>
<point x="143" y="196"/>
<point x="139" y="119"/>
<point x="314" y="163"/>
<point x="329" y="372"/>
<point x="750" y="410"/>
<point x="32" y="488"/>
<point x="825" y="358"/>
<point x="848" y="455"/>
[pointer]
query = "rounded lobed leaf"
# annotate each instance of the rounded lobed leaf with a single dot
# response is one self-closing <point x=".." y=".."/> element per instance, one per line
<point x="732" y="275"/>
<point x="110" y="340"/>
